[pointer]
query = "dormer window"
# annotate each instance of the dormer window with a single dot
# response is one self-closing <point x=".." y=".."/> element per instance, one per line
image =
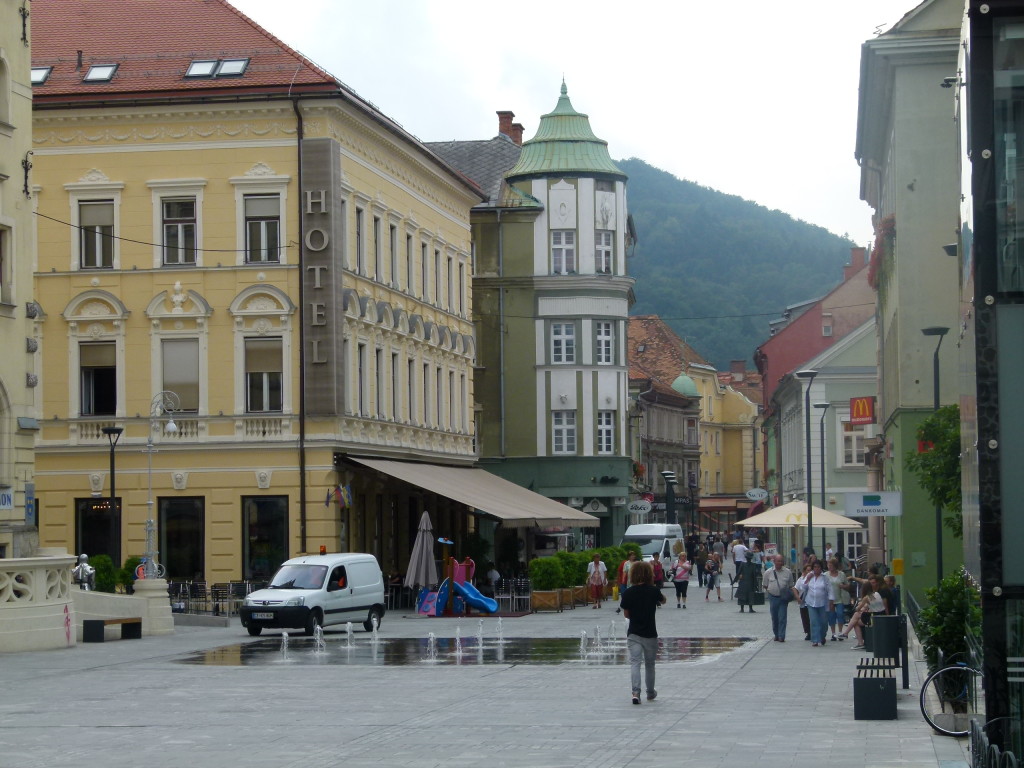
<point x="217" y="68"/>
<point x="100" y="73"/>
<point x="40" y="75"/>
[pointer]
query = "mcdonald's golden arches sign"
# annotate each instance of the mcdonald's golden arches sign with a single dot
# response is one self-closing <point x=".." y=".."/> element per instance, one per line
<point x="862" y="410"/>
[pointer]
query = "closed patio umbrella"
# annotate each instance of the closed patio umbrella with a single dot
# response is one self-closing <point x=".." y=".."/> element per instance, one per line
<point x="422" y="570"/>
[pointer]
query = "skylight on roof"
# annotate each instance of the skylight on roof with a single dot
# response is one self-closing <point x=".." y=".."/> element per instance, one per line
<point x="40" y="74"/>
<point x="217" y="68"/>
<point x="204" y="68"/>
<point x="232" y="67"/>
<point x="100" y="73"/>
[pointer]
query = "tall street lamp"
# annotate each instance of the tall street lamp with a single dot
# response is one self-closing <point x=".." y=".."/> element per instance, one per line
<point x="808" y="375"/>
<point x="670" y="496"/>
<point x="821" y="435"/>
<point x="164" y="403"/>
<point x="940" y="331"/>
<point x="113" y="435"/>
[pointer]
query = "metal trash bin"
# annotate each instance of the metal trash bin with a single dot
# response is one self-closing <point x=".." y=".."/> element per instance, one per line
<point x="885" y="636"/>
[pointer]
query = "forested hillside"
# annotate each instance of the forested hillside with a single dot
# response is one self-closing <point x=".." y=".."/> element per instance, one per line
<point x="716" y="267"/>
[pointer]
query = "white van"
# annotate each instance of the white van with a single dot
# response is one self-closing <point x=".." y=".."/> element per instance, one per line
<point x="656" y="537"/>
<point x="313" y="590"/>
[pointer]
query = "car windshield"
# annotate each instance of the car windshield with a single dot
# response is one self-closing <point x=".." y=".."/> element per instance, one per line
<point x="648" y="546"/>
<point x="299" y="577"/>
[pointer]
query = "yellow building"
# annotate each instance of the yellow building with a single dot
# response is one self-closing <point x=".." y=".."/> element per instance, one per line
<point x="18" y="374"/>
<point x="221" y="220"/>
<point x="730" y="448"/>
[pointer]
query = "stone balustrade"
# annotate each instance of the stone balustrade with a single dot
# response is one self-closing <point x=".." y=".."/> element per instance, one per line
<point x="36" y="610"/>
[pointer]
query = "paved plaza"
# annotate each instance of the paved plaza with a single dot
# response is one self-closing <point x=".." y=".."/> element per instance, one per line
<point x="133" y="703"/>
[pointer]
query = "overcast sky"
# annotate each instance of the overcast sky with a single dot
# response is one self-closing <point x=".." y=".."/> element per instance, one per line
<point x="753" y="98"/>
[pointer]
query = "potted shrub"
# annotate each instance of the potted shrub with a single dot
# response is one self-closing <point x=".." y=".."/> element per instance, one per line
<point x="546" y="576"/>
<point x="951" y="615"/>
<point x="569" y="578"/>
<point x="580" y="590"/>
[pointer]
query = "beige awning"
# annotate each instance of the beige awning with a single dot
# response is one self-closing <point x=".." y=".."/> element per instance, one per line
<point x="513" y="505"/>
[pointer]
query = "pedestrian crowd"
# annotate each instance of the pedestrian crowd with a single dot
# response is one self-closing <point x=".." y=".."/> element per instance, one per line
<point x="832" y="603"/>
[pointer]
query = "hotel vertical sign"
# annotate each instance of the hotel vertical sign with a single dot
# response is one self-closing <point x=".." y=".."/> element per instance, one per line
<point x="322" y="252"/>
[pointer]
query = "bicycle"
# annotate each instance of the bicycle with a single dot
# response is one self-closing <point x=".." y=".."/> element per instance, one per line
<point x="159" y="570"/>
<point x="950" y="698"/>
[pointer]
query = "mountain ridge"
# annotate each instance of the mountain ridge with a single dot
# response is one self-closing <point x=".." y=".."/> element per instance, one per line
<point x="716" y="267"/>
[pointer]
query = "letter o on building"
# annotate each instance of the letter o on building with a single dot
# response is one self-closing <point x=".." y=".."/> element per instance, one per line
<point x="323" y="238"/>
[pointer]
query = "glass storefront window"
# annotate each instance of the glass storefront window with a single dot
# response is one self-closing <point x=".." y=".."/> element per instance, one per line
<point x="264" y="536"/>
<point x="182" y="537"/>
<point x="1008" y="104"/>
<point x="97" y="531"/>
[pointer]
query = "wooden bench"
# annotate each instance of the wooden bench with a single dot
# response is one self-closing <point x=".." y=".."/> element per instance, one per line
<point x="878" y="662"/>
<point x="874" y="690"/>
<point x="92" y="629"/>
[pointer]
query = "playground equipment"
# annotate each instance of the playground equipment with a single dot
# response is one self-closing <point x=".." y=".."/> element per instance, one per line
<point x="456" y="590"/>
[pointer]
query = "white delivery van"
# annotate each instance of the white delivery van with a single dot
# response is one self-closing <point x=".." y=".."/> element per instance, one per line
<point x="656" y="537"/>
<point x="313" y="590"/>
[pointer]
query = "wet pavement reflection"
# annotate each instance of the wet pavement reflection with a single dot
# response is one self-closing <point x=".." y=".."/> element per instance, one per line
<point x="469" y="650"/>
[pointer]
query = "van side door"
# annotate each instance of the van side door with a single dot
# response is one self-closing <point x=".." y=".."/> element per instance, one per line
<point x="338" y="596"/>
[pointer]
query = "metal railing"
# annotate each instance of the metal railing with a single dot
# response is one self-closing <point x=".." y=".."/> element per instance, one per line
<point x="985" y="754"/>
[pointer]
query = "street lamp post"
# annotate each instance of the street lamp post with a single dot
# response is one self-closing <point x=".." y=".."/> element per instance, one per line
<point x="808" y="375"/>
<point x="821" y="436"/>
<point x="164" y="403"/>
<point x="113" y="435"/>
<point x="670" y="496"/>
<point x="940" y="331"/>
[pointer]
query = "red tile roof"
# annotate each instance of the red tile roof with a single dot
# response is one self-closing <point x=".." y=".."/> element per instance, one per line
<point x="664" y="354"/>
<point x="153" y="42"/>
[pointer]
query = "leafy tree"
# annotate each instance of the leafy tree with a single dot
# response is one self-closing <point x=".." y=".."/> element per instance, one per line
<point x="938" y="469"/>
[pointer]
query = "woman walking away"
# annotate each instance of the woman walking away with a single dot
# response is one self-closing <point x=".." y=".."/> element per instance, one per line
<point x="597" y="578"/>
<point x="681" y="578"/>
<point x="659" y="570"/>
<point x="640" y="607"/>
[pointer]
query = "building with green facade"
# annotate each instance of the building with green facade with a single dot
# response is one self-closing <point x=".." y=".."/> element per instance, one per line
<point x="551" y="296"/>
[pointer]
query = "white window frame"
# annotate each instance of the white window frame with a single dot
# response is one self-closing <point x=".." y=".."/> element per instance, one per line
<point x="563" y="432"/>
<point x="563" y="252"/>
<point x="604" y="342"/>
<point x="260" y="183"/>
<point x="424" y="272"/>
<point x="253" y="318"/>
<point x="175" y="189"/>
<point x="247" y="409"/>
<point x="606" y="432"/>
<point x="604" y="251"/>
<point x="268" y="254"/>
<point x="563" y="343"/>
<point x="95" y="316"/>
<point x="88" y="192"/>
<point x="393" y="244"/>
<point x="201" y="372"/>
<point x="853" y="436"/>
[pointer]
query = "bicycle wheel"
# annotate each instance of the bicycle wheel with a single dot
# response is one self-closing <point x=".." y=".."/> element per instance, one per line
<point x="950" y="697"/>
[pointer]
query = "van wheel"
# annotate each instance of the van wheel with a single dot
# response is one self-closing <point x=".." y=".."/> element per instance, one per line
<point x="254" y="629"/>
<point x="368" y="624"/>
<point x="314" y="620"/>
